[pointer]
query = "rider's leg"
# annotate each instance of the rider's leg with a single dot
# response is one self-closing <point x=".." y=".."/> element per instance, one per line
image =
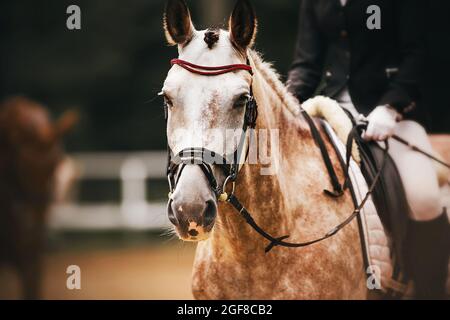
<point x="428" y="233"/>
<point x="417" y="171"/>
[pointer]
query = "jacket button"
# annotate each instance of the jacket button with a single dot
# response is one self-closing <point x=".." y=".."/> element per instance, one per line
<point x="344" y="34"/>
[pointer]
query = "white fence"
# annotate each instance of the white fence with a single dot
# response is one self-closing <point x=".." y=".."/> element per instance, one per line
<point x="132" y="211"/>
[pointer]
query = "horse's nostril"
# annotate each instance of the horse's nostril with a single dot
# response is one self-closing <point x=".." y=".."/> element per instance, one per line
<point x="193" y="233"/>
<point x="210" y="213"/>
<point x="173" y="219"/>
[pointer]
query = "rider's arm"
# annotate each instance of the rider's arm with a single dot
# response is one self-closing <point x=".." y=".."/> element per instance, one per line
<point x="403" y="88"/>
<point x="382" y="123"/>
<point x="306" y="70"/>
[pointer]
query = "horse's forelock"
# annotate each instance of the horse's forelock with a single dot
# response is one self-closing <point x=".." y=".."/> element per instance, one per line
<point x="212" y="36"/>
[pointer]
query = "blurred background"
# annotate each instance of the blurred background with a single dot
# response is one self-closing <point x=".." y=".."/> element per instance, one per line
<point x="112" y="221"/>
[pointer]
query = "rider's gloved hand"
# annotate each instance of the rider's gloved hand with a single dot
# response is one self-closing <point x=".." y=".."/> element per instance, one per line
<point x="382" y="122"/>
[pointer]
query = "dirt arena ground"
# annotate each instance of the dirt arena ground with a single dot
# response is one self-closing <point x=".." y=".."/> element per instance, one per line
<point x="143" y="272"/>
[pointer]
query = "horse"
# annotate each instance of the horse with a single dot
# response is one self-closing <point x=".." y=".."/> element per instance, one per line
<point x="30" y="156"/>
<point x="230" y="261"/>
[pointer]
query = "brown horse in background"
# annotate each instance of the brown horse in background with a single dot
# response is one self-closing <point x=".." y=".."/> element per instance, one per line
<point x="30" y="153"/>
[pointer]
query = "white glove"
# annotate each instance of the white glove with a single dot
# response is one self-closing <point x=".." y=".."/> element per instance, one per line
<point x="382" y="122"/>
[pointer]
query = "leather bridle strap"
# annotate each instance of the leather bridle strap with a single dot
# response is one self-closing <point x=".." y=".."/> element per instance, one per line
<point x="197" y="156"/>
<point x="210" y="71"/>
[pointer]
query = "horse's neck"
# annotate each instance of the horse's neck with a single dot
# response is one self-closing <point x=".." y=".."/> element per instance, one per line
<point x="272" y="197"/>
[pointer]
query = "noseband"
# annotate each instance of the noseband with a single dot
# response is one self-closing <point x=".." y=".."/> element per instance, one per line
<point x="204" y="158"/>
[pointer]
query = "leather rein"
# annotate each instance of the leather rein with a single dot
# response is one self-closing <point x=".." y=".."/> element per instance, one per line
<point x="229" y="164"/>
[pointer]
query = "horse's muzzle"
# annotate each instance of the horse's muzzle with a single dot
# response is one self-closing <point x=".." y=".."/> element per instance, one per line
<point x="192" y="219"/>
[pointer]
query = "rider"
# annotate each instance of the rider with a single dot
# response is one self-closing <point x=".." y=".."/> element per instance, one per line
<point x="367" y="55"/>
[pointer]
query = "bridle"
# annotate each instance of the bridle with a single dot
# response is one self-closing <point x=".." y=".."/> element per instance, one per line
<point x="230" y="164"/>
<point x="204" y="158"/>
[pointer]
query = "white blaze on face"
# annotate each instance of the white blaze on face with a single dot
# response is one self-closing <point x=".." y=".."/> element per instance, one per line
<point x="204" y="109"/>
<point x="203" y="106"/>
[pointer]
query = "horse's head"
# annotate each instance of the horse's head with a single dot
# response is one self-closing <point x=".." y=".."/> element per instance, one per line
<point x="204" y="111"/>
<point x="32" y="144"/>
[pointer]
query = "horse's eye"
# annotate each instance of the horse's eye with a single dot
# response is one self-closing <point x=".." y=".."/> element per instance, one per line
<point x="167" y="101"/>
<point x="241" y="102"/>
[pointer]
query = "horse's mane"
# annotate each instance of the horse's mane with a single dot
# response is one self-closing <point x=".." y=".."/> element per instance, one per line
<point x="271" y="76"/>
<point x="319" y="106"/>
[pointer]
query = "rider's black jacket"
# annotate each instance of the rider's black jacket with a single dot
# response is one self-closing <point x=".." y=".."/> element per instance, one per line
<point x="336" y="48"/>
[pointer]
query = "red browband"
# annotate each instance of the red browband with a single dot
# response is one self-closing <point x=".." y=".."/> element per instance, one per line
<point x="210" y="71"/>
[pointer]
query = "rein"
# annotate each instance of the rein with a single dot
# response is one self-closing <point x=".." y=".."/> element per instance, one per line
<point x="274" y="242"/>
<point x="196" y="156"/>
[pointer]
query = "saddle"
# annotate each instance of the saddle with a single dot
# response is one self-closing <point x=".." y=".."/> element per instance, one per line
<point x="383" y="220"/>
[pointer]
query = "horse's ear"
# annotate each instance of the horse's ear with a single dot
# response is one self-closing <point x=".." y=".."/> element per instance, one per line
<point x="177" y="22"/>
<point x="66" y="123"/>
<point x="243" y="25"/>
